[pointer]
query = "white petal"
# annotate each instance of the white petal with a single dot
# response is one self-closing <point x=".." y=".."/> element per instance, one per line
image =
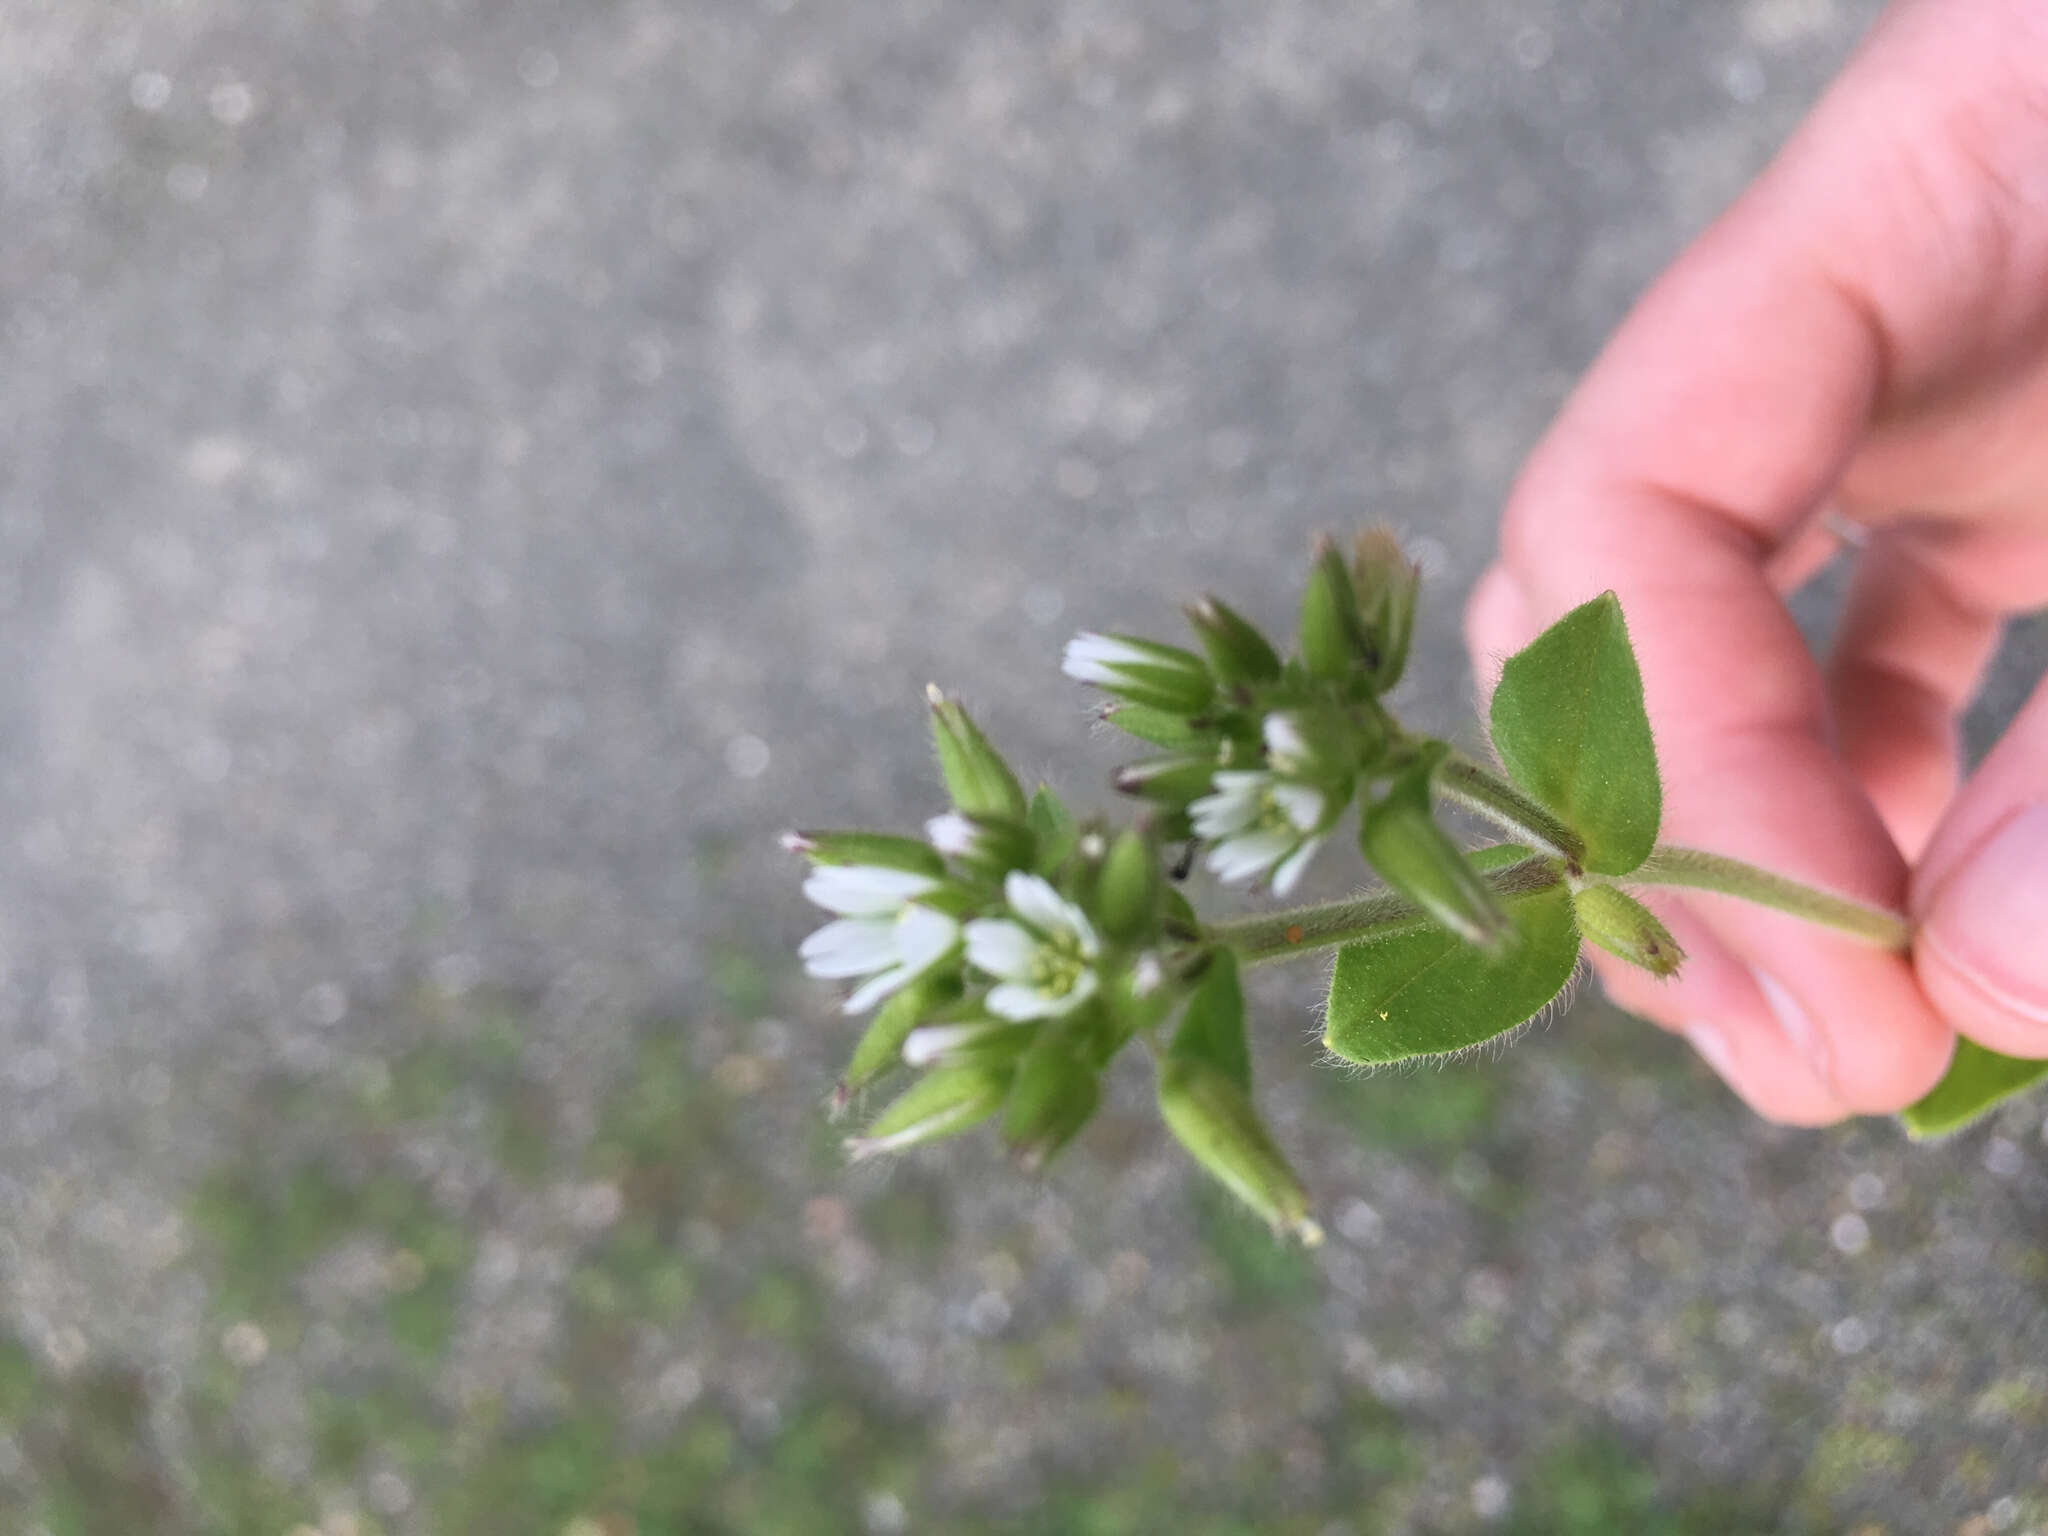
<point x="875" y="988"/>
<point x="1245" y="858"/>
<point x="1284" y="738"/>
<point x="853" y="946"/>
<point x="1015" y="1000"/>
<point x="1290" y="869"/>
<point x="952" y="833"/>
<point x="1093" y="658"/>
<point x="1033" y="899"/>
<point x="1147" y="974"/>
<point x="1303" y="805"/>
<point x="863" y="890"/>
<point x="924" y="936"/>
<point x="1000" y="947"/>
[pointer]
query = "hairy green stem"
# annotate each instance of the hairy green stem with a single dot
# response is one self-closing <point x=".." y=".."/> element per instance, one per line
<point x="1480" y="789"/>
<point x="1375" y="915"/>
<point x="1701" y="871"/>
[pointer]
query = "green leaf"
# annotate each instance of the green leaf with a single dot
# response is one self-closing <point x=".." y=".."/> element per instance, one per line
<point x="1052" y="827"/>
<point x="1569" y="724"/>
<point x="1976" y="1080"/>
<point x="1212" y="1029"/>
<point x="1428" y="992"/>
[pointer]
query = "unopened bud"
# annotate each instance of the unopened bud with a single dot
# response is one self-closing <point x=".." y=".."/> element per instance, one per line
<point x="941" y="1103"/>
<point x="1332" y="634"/>
<point x="881" y="1046"/>
<point x="1403" y="843"/>
<point x="1163" y="677"/>
<point x="1127" y="894"/>
<point x="1626" y="929"/>
<point x="1214" y="1120"/>
<point x="1055" y="1092"/>
<point x="1322" y="746"/>
<point x="877" y="850"/>
<point x="1176" y="780"/>
<point x="994" y="1041"/>
<point x="1158" y="726"/>
<point x="993" y="845"/>
<point x="977" y="778"/>
<point x="1385" y="581"/>
<point x="1237" y="651"/>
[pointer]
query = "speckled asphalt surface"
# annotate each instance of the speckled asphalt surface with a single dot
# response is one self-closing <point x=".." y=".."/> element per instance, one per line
<point x="469" y="474"/>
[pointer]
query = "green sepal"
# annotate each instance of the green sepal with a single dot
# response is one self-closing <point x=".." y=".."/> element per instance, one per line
<point x="1212" y="1117"/>
<point x="1130" y="888"/>
<point x="977" y="778"/>
<point x="1977" y="1080"/>
<point x="1053" y="828"/>
<point x="1160" y="727"/>
<point x="1569" y="724"/>
<point x="881" y="1045"/>
<point x="944" y="1102"/>
<point x="1626" y="929"/>
<point x="879" y="850"/>
<point x="1332" y="634"/>
<point x="1238" y="653"/>
<point x="1424" y="993"/>
<point x="1399" y="837"/>
<point x="1212" y="1029"/>
<point x="1054" y="1093"/>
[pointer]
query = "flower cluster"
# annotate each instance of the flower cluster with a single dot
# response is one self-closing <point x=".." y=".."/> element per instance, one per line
<point x="1011" y="951"/>
<point x="1264" y="752"/>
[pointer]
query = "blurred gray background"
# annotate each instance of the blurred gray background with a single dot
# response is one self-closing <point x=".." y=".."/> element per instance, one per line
<point x="469" y="474"/>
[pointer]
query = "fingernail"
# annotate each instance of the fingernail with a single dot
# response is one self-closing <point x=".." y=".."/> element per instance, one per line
<point x="1990" y="918"/>
<point x="1712" y="1046"/>
<point x="1796" y="1023"/>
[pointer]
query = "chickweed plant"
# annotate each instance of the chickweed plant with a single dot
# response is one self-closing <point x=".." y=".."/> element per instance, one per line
<point x="1014" y="951"/>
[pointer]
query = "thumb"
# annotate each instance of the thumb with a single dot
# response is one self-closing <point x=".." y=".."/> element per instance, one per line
<point x="1981" y="896"/>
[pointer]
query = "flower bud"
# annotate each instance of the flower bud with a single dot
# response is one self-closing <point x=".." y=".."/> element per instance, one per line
<point x="941" y="1103"/>
<point x="1176" y="780"/>
<point x="1157" y="726"/>
<point x="992" y="845"/>
<point x="1332" y="633"/>
<point x="977" y="778"/>
<point x="1385" y="581"/>
<point x="1626" y="929"/>
<point x="1237" y="651"/>
<point x="881" y="1047"/>
<point x="1214" y="1120"/>
<point x="1321" y="746"/>
<point x="877" y="850"/>
<point x="1163" y="677"/>
<point x="993" y="1041"/>
<point x="1128" y="891"/>
<point x="1403" y="843"/>
<point x="1053" y="1095"/>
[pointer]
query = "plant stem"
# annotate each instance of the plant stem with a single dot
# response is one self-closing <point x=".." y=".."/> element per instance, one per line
<point x="1479" y="789"/>
<point x="1703" y="871"/>
<point x="1375" y="915"/>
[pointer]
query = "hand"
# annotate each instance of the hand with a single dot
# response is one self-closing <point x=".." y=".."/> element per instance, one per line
<point x="1862" y="337"/>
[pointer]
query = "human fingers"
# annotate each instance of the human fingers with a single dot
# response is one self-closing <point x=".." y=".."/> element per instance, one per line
<point x="1981" y="896"/>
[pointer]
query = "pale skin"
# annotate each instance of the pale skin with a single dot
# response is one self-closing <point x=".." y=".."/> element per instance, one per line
<point x="1860" y="342"/>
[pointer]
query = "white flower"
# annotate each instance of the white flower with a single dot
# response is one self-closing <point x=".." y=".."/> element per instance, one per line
<point x="881" y="932"/>
<point x="1042" y="957"/>
<point x="1259" y="825"/>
